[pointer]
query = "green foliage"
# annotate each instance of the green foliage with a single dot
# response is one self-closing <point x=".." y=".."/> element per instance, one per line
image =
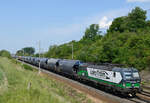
<point x="62" y="51"/>
<point x="117" y="24"/>
<point x="19" y="52"/>
<point x="131" y="50"/>
<point x="27" y="67"/>
<point x="92" y="33"/>
<point x="26" y="51"/>
<point x="36" y="55"/>
<point x="29" y="50"/>
<point x="126" y="42"/>
<point x="134" y="21"/>
<point x="5" y="53"/>
<point x="148" y="23"/>
<point x="1" y="76"/>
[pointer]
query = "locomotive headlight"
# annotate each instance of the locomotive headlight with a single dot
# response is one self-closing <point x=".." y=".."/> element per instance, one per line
<point x="124" y="85"/>
<point x="83" y="74"/>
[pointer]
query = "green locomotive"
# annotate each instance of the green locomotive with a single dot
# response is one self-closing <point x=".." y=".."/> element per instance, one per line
<point x="123" y="80"/>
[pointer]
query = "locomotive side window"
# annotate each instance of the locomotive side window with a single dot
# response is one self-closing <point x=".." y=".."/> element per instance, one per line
<point x="135" y="74"/>
<point x="128" y="75"/>
<point x="114" y="74"/>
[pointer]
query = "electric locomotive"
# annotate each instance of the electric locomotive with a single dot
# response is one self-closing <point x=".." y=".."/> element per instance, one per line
<point x="123" y="80"/>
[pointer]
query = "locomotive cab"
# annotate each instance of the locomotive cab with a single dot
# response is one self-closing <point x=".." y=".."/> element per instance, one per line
<point x="131" y="80"/>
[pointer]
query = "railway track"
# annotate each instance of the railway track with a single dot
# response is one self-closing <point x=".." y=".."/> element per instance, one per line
<point x="146" y="87"/>
<point x="143" y="97"/>
<point x="145" y="93"/>
<point x="95" y="91"/>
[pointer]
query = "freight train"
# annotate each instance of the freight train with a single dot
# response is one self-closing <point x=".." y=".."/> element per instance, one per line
<point x="125" y="81"/>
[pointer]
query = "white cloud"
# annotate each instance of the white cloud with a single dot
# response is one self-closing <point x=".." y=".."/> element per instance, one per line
<point x="138" y="0"/>
<point x="104" y="22"/>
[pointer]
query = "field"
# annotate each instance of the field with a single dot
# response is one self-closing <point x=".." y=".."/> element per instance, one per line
<point x="22" y="84"/>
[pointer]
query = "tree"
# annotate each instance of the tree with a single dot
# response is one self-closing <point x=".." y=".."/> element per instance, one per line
<point x="5" y="53"/>
<point x="29" y="50"/>
<point x="134" y="21"/>
<point x="148" y="23"/>
<point x="26" y="51"/>
<point x="92" y="32"/>
<point x="119" y="24"/>
<point x="19" y="53"/>
<point x="36" y="55"/>
<point x="137" y="19"/>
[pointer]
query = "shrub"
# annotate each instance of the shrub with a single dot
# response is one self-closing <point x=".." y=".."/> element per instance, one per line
<point x="5" y="53"/>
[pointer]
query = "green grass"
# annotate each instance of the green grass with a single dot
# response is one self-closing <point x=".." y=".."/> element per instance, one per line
<point x="43" y="89"/>
<point x="1" y="76"/>
<point x="27" y="67"/>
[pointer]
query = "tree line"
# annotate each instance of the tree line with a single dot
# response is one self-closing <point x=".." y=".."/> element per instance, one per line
<point x="126" y="42"/>
<point x="26" y="51"/>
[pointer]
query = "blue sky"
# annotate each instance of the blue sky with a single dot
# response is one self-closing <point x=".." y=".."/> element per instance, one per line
<point x="24" y="22"/>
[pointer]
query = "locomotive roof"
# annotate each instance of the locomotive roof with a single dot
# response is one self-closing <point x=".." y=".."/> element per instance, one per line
<point x="125" y="69"/>
<point x="110" y="68"/>
<point x="103" y="67"/>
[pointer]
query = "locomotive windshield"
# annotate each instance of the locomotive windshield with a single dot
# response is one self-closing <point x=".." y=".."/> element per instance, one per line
<point x="131" y="75"/>
<point x="136" y="75"/>
<point x="128" y="75"/>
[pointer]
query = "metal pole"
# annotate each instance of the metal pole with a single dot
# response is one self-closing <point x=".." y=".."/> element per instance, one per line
<point x="72" y="51"/>
<point x="42" y="52"/>
<point x="23" y="57"/>
<point x="71" y="45"/>
<point x="39" y="59"/>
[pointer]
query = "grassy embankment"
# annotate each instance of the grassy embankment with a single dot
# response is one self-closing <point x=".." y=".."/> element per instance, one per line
<point x="14" y="79"/>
